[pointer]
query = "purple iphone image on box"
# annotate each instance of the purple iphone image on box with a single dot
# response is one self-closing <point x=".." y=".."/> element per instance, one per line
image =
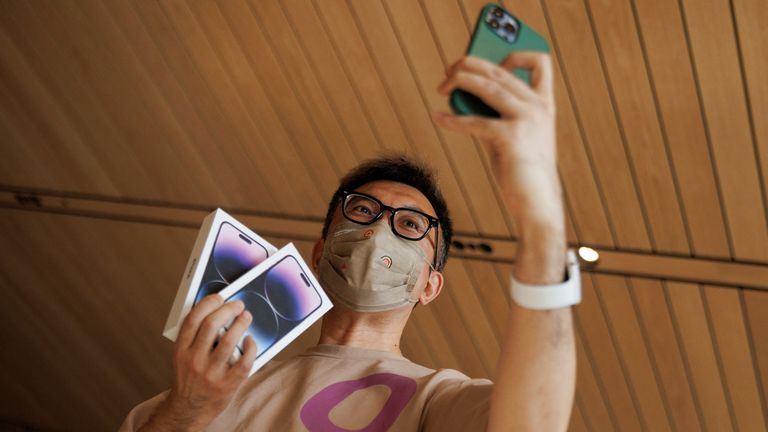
<point x="233" y="254"/>
<point x="279" y="299"/>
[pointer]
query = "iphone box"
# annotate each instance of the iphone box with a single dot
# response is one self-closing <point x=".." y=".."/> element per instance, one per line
<point x="284" y="299"/>
<point x="225" y="249"/>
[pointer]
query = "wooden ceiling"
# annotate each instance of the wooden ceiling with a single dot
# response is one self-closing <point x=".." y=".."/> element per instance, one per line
<point x="123" y="122"/>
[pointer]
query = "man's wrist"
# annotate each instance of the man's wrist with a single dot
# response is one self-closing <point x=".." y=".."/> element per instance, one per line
<point x="170" y="416"/>
<point x="540" y="257"/>
<point x="549" y="296"/>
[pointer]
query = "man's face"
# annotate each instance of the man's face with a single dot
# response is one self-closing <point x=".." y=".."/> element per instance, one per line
<point x="396" y="195"/>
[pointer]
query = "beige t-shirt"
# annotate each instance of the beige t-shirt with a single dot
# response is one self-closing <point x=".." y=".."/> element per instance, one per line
<point x="341" y="388"/>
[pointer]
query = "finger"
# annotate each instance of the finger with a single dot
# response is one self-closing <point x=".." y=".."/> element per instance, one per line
<point x="476" y="125"/>
<point x="540" y="65"/>
<point x="491" y="92"/>
<point x="243" y="366"/>
<point x="494" y="72"/>
<point x="450" y="69"/>
<point x="211" y="324"/>
<point x="195" y="316"/>
<point x="227" y="343"/>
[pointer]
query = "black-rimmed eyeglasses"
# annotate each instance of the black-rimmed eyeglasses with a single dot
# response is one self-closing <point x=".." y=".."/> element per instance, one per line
<point x="406" y="223"/>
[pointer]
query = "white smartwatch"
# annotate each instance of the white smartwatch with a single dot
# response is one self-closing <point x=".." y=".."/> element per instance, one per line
<point x="551" y="296"/>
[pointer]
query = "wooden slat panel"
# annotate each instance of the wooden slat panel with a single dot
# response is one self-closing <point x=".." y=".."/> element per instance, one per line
<point x="354" y="57"/>
<point x="756" y="305"/>
<point x="574" y="159"/>
<point x="223" y="132"/>
<point x="191" y="135"/>
<point x="334" y="77"/>
<point x="664" y="349"/>
<point x="63" y="372"/>
<point x="696" y="340"/>
<point x="41" y="46"/>
<point x="493" y="295"/>
<point x="141" y="135"/>
<point x="590" y="389"/>
<point x="465" y="295"/>
<point x="716" y="59"/>
<point x="628" y="331"/>
<point x="577" y="421"/>
<point x="447" y="315"/>
<point x="600" y="342"/>
<point x="728" y="325"/>
<point x="90" y="341"/>
<point x="23" y="406"/>
<point x="17" y="127"/>
<point x="663" y="37"/>
<point x="266" y="94"/>
<point x="625" y="69"/>
<point x="181" y="160"/>
<point x="437" y="334"/>
<point x="279" y="166"/>
<point x="26" y="97"/>
<point x="414" y="348"/>
<point x="571" y="232"/>
<point x="581" y="63"/>
<point x="314" y="126"/>
<point x="750" y="18"/>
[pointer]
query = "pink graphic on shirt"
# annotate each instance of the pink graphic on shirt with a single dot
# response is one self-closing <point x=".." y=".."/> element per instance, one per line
<point x="314" y="413"/>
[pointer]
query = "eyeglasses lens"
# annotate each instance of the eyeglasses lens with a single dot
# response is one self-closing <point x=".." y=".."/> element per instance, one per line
<point x="362" y="209"/>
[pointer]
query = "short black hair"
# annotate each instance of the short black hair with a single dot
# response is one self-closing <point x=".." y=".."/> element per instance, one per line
<point x="401" y="169"/>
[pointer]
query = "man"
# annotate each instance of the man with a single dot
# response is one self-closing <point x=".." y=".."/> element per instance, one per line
<point x="383" y="249"/>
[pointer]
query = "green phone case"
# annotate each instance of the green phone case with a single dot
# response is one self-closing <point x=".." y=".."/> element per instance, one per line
<point x="487" y="44"/>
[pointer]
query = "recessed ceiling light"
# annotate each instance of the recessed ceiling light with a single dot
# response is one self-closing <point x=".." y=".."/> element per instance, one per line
<point x="588" y="254"/>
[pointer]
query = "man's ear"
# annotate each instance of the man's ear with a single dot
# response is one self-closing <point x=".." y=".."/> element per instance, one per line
<point x="433" y="288"/>
<point x="317" y="253"/>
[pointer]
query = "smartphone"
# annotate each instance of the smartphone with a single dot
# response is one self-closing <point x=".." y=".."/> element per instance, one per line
<point x="279" y="299"/>
<point x="497" y="33"/>
<point x="233" y="254"/>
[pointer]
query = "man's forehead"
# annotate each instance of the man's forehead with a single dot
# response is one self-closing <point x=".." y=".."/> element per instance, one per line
<point x="396" y="194"/>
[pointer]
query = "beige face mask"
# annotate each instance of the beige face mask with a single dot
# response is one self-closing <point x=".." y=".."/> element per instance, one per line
<point x="369" y="268"/>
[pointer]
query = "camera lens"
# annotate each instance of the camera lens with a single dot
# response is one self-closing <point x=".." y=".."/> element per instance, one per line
<point x="494" y="24"/>
<point x="510" y="28"/>
<point x="497" y="12"/>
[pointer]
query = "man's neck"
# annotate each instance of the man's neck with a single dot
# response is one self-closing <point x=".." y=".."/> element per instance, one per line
<point x="378" y="330"/>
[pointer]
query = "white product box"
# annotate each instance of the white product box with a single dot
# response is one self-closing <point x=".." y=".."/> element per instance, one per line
<point x="225" y="249"/>
<point x="284" y="299"/>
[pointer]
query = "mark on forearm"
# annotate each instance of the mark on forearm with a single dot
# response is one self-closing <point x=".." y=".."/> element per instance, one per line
<point x="562" y="333"/>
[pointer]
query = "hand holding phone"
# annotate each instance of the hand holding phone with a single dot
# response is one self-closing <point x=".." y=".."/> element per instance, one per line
<point x="521" y="140"/>
<point x="497" y="34"/>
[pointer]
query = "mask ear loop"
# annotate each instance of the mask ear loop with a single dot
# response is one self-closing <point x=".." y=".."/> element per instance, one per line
<point x="433" y="266"/>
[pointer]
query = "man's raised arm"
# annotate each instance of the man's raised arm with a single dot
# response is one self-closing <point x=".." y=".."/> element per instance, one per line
<point x="536" y="372"/>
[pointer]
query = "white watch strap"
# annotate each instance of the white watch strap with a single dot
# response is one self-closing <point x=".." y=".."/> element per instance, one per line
<point x="551" y="296"/>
